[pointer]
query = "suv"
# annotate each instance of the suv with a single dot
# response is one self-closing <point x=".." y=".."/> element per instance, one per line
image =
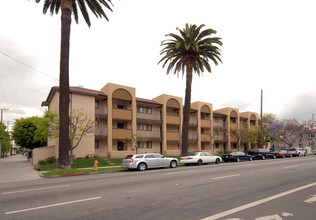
<point x="145" y="161"/>
<point x="297" y="151"/>
<point x="262" y="153"/>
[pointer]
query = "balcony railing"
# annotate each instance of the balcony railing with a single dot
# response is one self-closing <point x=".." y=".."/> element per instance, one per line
<point x="122" y="114"/>
<point x="173" y="136"/>
<point x="121" y="133"/>
<point x="173" y="119"/>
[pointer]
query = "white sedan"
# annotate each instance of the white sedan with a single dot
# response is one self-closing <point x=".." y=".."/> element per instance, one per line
<point x="200" y="158"/>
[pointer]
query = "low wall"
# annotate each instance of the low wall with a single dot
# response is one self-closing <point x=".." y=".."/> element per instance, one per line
<point x="42" y="153"/>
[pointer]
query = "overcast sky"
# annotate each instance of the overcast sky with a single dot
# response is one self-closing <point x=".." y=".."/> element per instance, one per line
<point x="267" y="44"/>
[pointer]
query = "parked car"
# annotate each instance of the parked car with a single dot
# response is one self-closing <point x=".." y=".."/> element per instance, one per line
<point x="297" y="151"/>
<point x="147" y="161"/>
<point x="200" y="158"/>
<point x="236" y="157"/>
<point x="262" y="153"/>
<point x="283" y="153"/>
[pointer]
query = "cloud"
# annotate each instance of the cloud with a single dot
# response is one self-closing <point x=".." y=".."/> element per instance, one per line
<point x="300" y="107"/>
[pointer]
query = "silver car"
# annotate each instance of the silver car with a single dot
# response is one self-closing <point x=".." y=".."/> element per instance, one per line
<point x="146" y="161"/>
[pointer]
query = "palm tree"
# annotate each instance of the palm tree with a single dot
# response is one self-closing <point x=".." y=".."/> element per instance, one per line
<point x="69" y="7"/>
<point x="190" y="52"/>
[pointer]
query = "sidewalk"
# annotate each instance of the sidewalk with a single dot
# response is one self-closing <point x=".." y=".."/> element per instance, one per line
<point x="17" y="168"/>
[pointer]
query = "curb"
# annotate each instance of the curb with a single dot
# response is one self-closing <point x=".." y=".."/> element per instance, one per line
<point x="75" y="174"/>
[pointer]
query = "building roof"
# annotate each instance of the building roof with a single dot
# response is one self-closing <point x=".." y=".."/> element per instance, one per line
<point x="74" y="89"/>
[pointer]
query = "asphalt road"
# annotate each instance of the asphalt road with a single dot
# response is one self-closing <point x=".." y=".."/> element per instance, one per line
<point x="262" y="190"/>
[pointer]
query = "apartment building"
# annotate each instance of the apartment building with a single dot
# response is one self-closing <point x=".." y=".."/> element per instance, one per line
<point x="119" y="114"/>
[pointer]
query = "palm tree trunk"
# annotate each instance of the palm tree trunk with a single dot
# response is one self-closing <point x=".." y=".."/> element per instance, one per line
<point x="63" y="157"/>
<point x="186" y="113"/>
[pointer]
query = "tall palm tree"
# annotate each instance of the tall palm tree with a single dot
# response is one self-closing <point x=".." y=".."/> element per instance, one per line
<point x="190" y="51"/>
<point x="69" y="7"/>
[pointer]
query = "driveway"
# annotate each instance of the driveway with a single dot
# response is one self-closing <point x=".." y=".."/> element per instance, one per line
<point x="17" y="168"/>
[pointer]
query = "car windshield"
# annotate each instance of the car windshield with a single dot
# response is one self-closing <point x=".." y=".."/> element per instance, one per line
<point x="193" y="154"/>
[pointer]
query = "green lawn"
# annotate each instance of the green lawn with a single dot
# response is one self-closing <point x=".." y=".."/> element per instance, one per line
<point x="86" y="162"/>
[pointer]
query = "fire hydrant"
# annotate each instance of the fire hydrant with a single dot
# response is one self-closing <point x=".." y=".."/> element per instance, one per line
<point x="96" y="165"/>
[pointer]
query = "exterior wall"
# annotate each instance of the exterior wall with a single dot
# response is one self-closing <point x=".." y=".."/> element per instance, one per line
<point x="86" y="105"/>
<point x="42" y="153"/>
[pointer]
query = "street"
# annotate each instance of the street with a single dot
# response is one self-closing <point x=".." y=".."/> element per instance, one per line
<point x="260" y="189"/>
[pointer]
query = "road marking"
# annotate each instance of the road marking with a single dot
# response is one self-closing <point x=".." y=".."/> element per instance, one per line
<point x="249" y="205"/>
<point x="29" y="190"/>
<point x="189" y="171"/>
<point x="311" y="200"/>
<point x="53" y="205"/>
<point x="223" y="177"/>
<point x="291" y="167"/>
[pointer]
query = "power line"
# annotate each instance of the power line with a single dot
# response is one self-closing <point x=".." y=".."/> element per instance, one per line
<point x="28" y="65"/>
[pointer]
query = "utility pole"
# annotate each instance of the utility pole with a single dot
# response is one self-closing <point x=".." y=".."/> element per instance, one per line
<point x="1" y="125"/>
<point x="261" y="123"/>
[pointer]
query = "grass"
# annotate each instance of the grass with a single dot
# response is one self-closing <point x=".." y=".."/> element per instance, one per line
<point x="86" y="162"/>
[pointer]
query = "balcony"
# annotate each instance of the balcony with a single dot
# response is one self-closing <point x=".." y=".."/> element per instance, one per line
<point x="173" y="119"/>
<point x="205" y="137"/>
<point x="121" y="133"/>
<point x="193" y="122"/>
<point x="173" y="136"/>
<point x="122" y="114"/>
<point x="152" y="118"/>
<point x="206" y="123"/>
<point x="150" y="135"/>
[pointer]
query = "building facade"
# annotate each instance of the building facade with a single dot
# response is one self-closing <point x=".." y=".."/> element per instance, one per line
<point x="119" y="114"/>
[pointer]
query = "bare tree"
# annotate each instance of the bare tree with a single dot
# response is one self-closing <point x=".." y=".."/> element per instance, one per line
<point x="133" y="140"/>
<point x="80" y="124"/>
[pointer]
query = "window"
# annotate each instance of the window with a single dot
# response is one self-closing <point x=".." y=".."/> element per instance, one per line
<point x="217" y="145"/>
<point x="149" y="111"/>
<point x="97" y="124"/>
<point x="120" y="106"/>
<point x="215" y="120"/>
<point x="96" y="144"/>
<point x="148" y="127"/>
<point x="149" y="156"/>
<point x="140" y="127"/>
<point x="140" y="144"/>
<point x="120" y="146"/>
<point x="149" y="144"/>
<point x="140" y="109"/>
<point x="139" y="156"/>
<point x="120" y="125"/>
<point x="96" y="104"/>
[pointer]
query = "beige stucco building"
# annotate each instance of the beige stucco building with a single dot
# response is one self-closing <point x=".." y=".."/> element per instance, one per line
<point x="119" y="114"/>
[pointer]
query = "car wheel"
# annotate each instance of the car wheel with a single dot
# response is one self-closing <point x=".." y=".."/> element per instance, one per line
<point x="299" y="155"/>
<point x="173" y="164"/>
<point x="237" y="159"/>
<point x="142" y="167"/>
<point x="263" y="157"/>
<point x="217" y="161"/>
<point x="200" y="162"/>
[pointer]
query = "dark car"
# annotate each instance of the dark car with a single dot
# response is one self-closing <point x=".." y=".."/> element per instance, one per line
<point x="236" y="157"/>
<point x="262" y="153"/>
